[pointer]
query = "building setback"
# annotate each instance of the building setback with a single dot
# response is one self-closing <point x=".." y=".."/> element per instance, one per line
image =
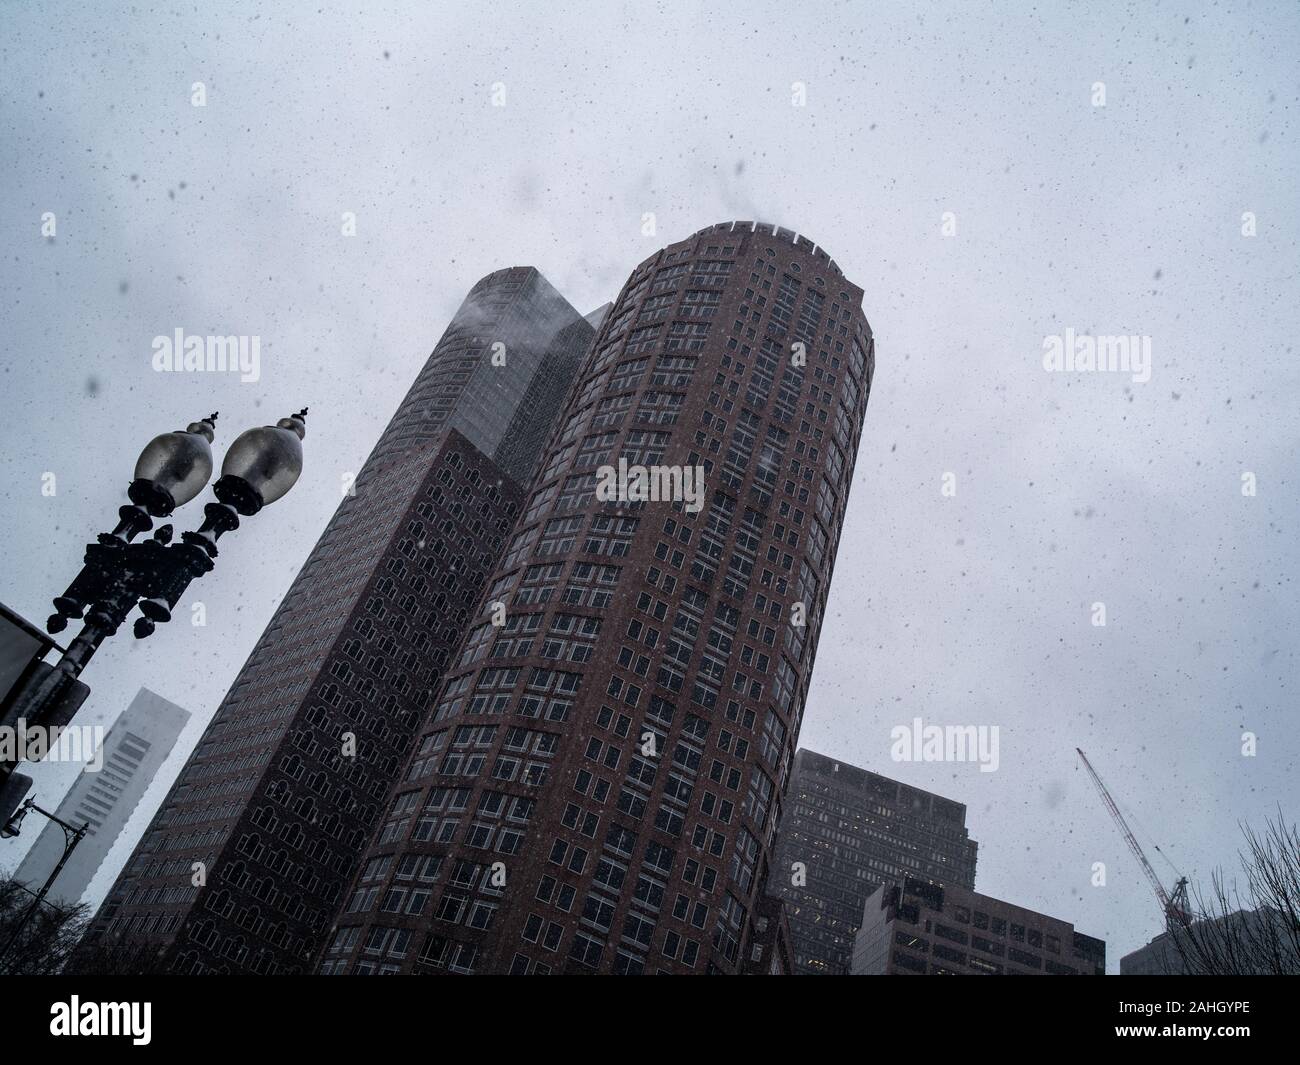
<point x="244" y="866"/>
<point x="598" y="786"/>
<point x="844" y="831"/>
<point x="1160" y="957"/>
<point x="919" y="927"/>
<point x="103" y="799"/>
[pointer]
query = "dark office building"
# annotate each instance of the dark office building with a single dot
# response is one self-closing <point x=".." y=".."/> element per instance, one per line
<point x="598" y="786"/>
<point x="917" y="927"/>
<point x="845" y="831"/>
<point x="245" y="865"/>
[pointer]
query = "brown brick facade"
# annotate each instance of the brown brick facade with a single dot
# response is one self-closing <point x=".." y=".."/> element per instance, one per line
<point x="598" y="785"/>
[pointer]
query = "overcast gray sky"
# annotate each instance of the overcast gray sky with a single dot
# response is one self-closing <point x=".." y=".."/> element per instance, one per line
<point x="1071" y="489"/>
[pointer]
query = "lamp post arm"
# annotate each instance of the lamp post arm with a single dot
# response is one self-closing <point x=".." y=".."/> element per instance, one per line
<point x="71" y="837"/>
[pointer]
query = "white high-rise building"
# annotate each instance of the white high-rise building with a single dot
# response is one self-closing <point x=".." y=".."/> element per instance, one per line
<point x="104" y="798"/>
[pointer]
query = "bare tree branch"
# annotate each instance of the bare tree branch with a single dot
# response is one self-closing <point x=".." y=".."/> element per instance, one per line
<point x="1252" y="933"/>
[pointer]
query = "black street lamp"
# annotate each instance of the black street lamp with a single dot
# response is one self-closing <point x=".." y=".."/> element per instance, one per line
<point x="72" y="835"/>
<point x="260" y="467"/>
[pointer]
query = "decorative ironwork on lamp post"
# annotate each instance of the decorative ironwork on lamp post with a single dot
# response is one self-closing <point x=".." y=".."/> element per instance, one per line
<point x="120" y="574"/>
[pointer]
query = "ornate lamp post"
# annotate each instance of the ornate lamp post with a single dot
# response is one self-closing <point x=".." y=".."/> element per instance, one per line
<point x="119" y="574"/>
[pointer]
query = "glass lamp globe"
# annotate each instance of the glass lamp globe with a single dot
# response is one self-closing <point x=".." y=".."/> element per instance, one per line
<point x="173" y="468"/>
<point x="266" y="461"/>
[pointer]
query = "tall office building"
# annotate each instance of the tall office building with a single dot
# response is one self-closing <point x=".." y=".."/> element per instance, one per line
<point x="244" y="866"/>
<point x="916" y="927"/>
<point x="598" y="787"/>
<point x="104" y="796"/>
<point x="844" y="831"/>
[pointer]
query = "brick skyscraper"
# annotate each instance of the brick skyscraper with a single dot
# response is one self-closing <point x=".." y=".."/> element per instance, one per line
<point x="274" y="803"/>
<point x="597" y="789"/>
<point x="850" y="831"/>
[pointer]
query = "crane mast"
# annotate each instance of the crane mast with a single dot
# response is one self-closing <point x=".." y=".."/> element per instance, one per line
<point x="1175" y="908"/>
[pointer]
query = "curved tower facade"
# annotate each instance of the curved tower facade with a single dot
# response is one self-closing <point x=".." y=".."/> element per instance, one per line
<point x="598" y="786"/>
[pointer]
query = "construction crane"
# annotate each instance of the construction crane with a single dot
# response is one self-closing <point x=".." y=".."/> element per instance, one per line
<point x="1176" y="910"/>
